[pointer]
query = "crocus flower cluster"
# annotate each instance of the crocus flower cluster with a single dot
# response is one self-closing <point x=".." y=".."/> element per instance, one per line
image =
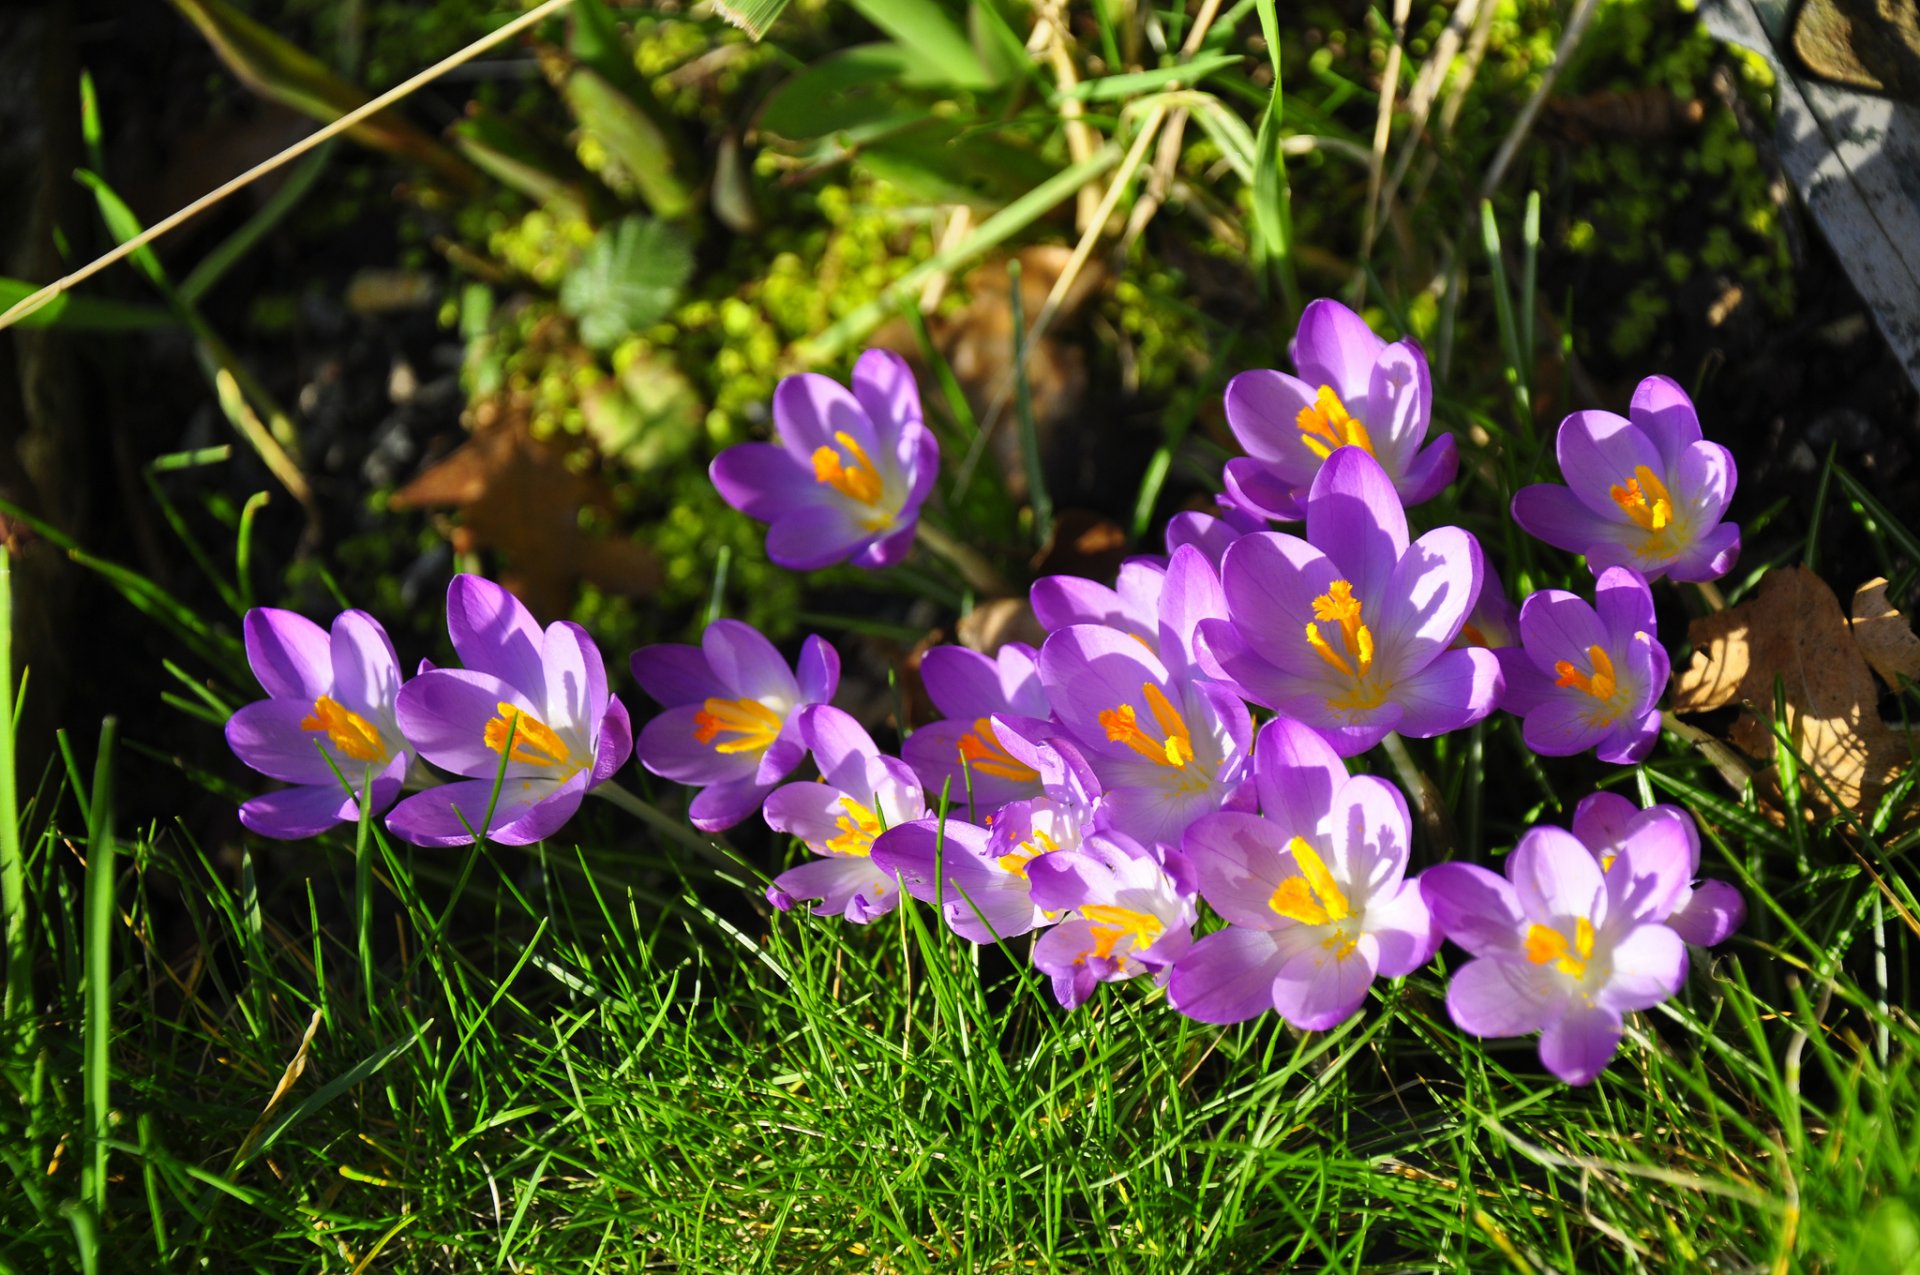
<point x="1161" y="787"/>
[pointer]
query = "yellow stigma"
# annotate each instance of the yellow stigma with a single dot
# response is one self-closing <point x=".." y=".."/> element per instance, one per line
<point x="1644" y="498"/>
<point x="1112" y="923"/>
<point x="1313" y="897"/>
<point x="534" y="742"/>
<point x="1354" y="658"/>
<point x="351" y="733"/>
<point x="1601" y="684"/>
<point x="981" y="751"/>
<point x="749" y="725"/>
<point x="1175" y="749"/>
<point x="1547" y="945"/>
<point x="1017" y="859"/>
<point x="858" y="827"/>
<point x="1326" y="425"/>
<point x="859" y="480"/>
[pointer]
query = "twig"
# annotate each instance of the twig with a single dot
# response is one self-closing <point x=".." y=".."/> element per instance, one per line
<point x="1383" y="129"/>
<point x="1569" y="40"/>
<point x="365" y="110"/>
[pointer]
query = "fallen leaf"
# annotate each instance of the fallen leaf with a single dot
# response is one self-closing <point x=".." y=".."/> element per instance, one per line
<point x="1793" y="634"/>
<point x="517" y="495"/>
<point x="1885" y="635"/>
<point x="998" y="621"/>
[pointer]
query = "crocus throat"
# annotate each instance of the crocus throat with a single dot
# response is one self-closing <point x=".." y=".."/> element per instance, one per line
<point x="1326" y="425"/>
<point x="351" y="733"/>
<point x="1123" y="727"/>
<point x="858" y="827"/>
<point x="1644" y="498"/>
<point x="1355" y="659"/>
<point x="981" y="750"/>
<point x="1546" y="945"/>
<point x="534" y="742"/>
<point x="1601" y="683"/>
<point x="853" y="475"/>
<point x="1112" y="924"/>
<point x="1313" y="897"/>
<point x="1017" y="859"/>
<point x="736" y="725"/>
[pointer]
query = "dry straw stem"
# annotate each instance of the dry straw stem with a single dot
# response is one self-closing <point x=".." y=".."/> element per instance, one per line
<point x="1569" y="40"/>
<point x="1383" y="127"/>
<point x="531" y="17"/>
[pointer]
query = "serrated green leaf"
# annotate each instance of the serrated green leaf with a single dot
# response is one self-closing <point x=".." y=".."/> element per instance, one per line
<point x="630" y="277"/>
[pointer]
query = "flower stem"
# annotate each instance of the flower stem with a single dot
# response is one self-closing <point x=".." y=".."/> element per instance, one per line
<point x="714" y="849"/>
<point x="1431" y="810"/>
<point x="1711" y="595"/>
<point x="979" y="574"/>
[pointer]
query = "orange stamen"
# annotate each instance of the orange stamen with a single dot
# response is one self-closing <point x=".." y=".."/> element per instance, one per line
<point x="534" y="742"/>
<point x="981" y="750"/>
<point x="750" y="725"/>
<point x="1326" y="425"/>
<point x="349" y="732"/>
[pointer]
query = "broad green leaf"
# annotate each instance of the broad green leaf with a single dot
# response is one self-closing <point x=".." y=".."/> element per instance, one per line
<point x="630" y="277"/>
<point x="83" y="314"/>
<point x="926" y="28"/>
<point x="941" y="163"/>
<point x="630" y="132"/>
<point x="856" y="87"/>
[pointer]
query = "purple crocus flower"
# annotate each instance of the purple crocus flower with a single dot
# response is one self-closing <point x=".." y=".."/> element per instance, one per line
<point x="1132" y="605"/>
<point x="1588" y="676"/>
<point x="848" y="476"/>
<point x="983" y="894"/>
<point x="1314" y="891"/>
<point x="1494" y="621"/>
<point x="1646" y="493"/>
<point x="1660" y="841"/>
<point x="1349" y="629"/>
<point x="1166" y="749"/>
<point x="860" y="792"/>
<point x="1129" y="916"/>
<point x="1212" y="534"/>
<point x="330" y="706"/>
<point x="1354" y="390"/>
<point x="961" y="753"/>
<point x="730" y="721"/>
<point x="538" y="699"/>
<point x="1561" y="947"/>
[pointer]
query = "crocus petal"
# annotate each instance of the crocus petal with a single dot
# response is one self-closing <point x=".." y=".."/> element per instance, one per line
<point x="1428" y="596"/>
<point x="1297" y="773"/>
<point x="818" y="671"/>
<point x="720" y="806"/>
<point x="1270" y="581"/>
<point x="1555" y="877"/>
<point x="366" y="672"/>
<point x="670" y="747"/>
<point x="1430" y="471"/>
<point x="1556" y="625"/>
<point x="1602" y="820"/>
<point x="1190" y="594"/>
<point x="1709" y="557"/>
<point x="890" y="549"/>
<point x="1211" y="536"/>
<point x="1549" y="512"/>
<point x="746" y="663"/>
<point x="1399" y="404"/>
<point x="852" y="888"/>
<point x="962" y="683"/>
<point x="289" y="654"/>
<point x="1263" y="409"/>
<point x="808" y="811"/>
<point x="1334" y="346"/>
<point x="1475" y="908"/>
<point x="1662" y="411"/>
<point x="884" y="384"/>
<point x="575" y="678"/>
<point x="1318" y="989"/>
<point x="761" y="480"/>
<point x="840" y="745"/>
<point x="1598" y="451"/>
<point x="1404" y="930"/>
<point x="494" y="634"/>
<point x="1578" y="1046"/>
<point x="1649" y="963"/>
<point x="267" y="736"/>
<point x="1238" y="862"/>
<point x="1562" y="725"/>
<point x="615" y="743"/>
<point x="1631" y="739"/>
<point x="675" y="673"/>
<point x="1369" y="836"/>
<point x="1257" y="488"/>
<point x="1712" y="912"/>
<point x="1494" y="997"/>
<point x="445" y="714"/>
<point x="526" y="812"/>
<point x="294" y="814"/>
<point x="809" y="409"/>
<point x="1227" y="977"/>
<point x="1458" y="689"/>
<point x="1622" y="602"/>
<point x="1355" y="516"/>
<point x="809" y="537"/>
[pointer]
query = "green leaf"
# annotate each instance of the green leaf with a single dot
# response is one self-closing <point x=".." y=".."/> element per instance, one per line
<point x="853" y="88"/>
<point x="943" y="163"/>
<point x="751" y="16"/>
<point x="83" y="314"/>
<point x="629" y="278"/>
<point x="1109" y="88"/>
<point x="642" y="146"/>
<point x="926" y="28"/>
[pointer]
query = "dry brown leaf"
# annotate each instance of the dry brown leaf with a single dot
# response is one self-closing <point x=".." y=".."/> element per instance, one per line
<point x="1885" y="635"/>
<point x="1794" y="633"/>
<point x="517" y="495"/>
<point x="998" y="621"/>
